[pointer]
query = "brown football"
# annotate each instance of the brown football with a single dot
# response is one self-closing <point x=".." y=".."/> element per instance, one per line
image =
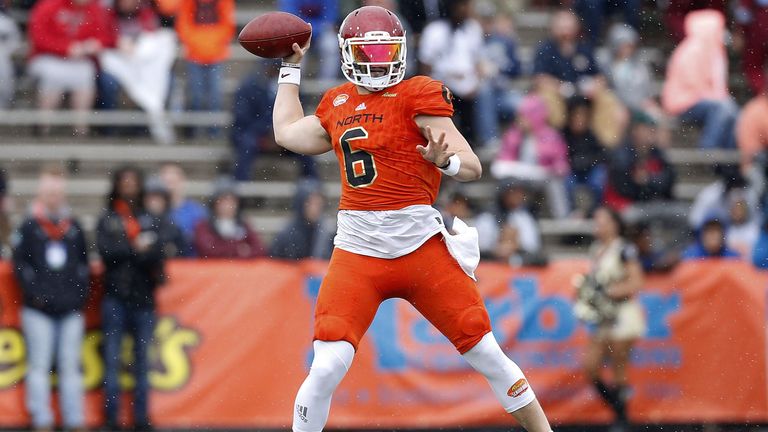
<point x="273" y="34"/>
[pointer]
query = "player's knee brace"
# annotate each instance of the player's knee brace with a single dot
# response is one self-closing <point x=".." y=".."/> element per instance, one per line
<point x="506" y="379"/>
<point x="332" y="361"/>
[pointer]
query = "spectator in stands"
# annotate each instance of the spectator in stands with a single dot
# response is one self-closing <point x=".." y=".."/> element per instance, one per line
<point x="157" y="202"/>
<point x="10" y="40"/>
<point x="615" y="266"/>
<point x="323" y="16"/>
<point x="652" y="258"/>
<point x="678" y="10"/>
<point x="206" y="29"/>
<point x="509" y="231"/>
<point x="710" y="242"/>
<point x="532" y="150"/>
<point x="586" y="156"/>
<point x="696" y="86"/>
<point x="450" y="50"/>
<point x="65" y="35"/>
<point x="50" y="259"/>
<point x="510" y="250"/>
<point x="730" y="186"/>
<point x="760" y="252"/>
<point x="640" y="179"/>
<point x="752" y="137"/>
<point x="496" y="99"/>
<point x="629" y="74"/>
<point x="129" y="19"/>
<point x="252" y="125"/>
<point x="186" y="212"/>
<point x="594" y="13"/>
<point x="226" y="234"/>
<point x="307" y="235"/>
<point x="457" y="205"/>
<point x="743" y="225"/>
<point x="752" y="19"/>
<point x="564" y="60"/>
<point x="5" y="207"/>
<point x="563" y="67"/>
<point x="141" y="64"/>
<point x="131" y="247"/>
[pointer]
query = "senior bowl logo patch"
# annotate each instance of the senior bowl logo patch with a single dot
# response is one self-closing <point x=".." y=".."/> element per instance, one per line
<point x="340" y="99"/>
<point x="518" y="388"/>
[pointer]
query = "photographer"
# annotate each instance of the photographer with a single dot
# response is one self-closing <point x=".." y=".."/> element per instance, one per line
<point x="618" y="319"/>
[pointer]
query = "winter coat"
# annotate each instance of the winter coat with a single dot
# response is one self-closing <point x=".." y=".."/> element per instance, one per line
<point x="252" y="113"/>
<point x="209" y="243"/>
<point x="302" y="238"/>
<point x="55" y="289"/>
<point x="697" y="251"/>
<point x="584" y="151"/>
<point x="55" y="25"/>
<point x="130" y="276"/>
<point x="206" y="29"/>
<point x="622" y="189"/>
<point x="551" y="150"/>
<point x="698" y="68"/>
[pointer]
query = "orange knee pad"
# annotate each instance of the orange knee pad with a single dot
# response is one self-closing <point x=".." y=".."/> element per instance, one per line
<point x="473" y="324"/>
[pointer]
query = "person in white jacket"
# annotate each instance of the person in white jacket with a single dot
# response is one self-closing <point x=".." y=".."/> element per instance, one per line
<point x="10" y="40"/>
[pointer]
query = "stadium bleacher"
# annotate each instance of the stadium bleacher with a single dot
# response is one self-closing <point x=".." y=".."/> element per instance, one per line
<point x="90" y="159"/>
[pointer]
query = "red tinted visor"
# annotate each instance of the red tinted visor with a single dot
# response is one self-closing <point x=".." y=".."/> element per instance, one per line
<point x="376" y="53"/>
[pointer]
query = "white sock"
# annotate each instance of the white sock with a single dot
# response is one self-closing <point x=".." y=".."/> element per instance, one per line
<point x="313" y="402"/>
<point x="506" y="379"/>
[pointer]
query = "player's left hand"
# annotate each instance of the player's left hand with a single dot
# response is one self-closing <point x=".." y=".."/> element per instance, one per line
<point x="436" y="150"/>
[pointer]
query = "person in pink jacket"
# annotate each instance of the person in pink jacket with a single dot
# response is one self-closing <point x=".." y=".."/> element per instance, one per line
<point x="696" y="87"/>
<point x="534" y="151"/>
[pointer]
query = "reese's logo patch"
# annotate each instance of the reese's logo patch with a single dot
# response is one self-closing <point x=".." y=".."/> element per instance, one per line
<point x="518" y="388"/>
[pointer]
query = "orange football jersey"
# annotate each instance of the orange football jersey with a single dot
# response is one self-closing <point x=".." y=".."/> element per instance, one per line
<point x="375" y="138"/>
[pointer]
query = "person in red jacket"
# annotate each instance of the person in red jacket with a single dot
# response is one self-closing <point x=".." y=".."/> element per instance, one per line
<point x="226" y="234"/>
<point x="64" y="36"/>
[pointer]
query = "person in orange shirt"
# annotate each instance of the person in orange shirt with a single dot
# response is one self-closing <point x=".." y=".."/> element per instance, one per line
<point x="394" y="140"/>
<point x="206" y="29"/>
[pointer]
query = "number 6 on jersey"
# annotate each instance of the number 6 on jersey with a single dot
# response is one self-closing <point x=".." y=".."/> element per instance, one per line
<point x="358" y="164"/>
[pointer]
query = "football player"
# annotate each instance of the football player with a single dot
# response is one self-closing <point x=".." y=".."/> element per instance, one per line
<point x="394" y="139"/>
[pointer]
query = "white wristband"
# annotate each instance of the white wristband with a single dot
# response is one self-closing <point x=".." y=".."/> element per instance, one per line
<point x="289" y="75"/>
<point x="454" y="164"/>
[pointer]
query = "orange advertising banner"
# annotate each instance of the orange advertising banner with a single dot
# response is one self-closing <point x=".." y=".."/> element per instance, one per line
<point x="233" y="344"/>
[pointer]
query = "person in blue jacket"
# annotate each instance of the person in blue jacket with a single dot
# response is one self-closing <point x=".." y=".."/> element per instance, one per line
<point x="710" y="242"/>
<point x="760" y="252"/>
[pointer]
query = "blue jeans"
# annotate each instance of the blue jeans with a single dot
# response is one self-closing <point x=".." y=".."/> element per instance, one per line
<point x="593" y="179"/>
<point x="45" y="334"/>
<point x="117" y="318"/>
<point x="108" y="91"/>
<point x="204" y="88"/>
<point x="717" y="119"/>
